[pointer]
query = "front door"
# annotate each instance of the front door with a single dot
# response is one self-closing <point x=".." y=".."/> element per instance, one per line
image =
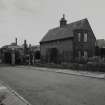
<point x="53" y="55"/>
<point x="7" y="57"/>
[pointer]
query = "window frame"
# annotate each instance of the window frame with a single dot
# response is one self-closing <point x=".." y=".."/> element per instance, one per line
<point x="85" y="37"/>
<point x="85" y="54"/>
<point x="79" y="37"/>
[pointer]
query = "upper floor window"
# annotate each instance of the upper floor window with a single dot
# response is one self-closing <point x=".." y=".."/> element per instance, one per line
<point x="85" y="37"/>
<point x="79" y="37"/>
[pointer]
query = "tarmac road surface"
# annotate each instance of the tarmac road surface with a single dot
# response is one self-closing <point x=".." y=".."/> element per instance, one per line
<point x="50" y="88"/>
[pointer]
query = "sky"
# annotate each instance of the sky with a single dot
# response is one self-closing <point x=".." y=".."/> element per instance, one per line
<point x="31" y="19"/>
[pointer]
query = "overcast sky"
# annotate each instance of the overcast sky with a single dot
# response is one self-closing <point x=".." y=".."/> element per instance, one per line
<point x="31" y="19"/>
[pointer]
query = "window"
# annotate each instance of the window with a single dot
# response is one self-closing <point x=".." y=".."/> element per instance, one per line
<point x="79" y="37"/>
<point x="85" y="37"/>
<point x="85" y="54"/>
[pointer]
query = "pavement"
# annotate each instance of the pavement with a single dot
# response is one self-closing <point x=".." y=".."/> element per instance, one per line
<point x="98" y="75"/>
<point x="10" y="97"/>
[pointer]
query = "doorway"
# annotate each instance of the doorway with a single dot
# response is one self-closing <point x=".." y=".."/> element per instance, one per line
<point x="7" y="57"/>
<point x="53" y="55"/>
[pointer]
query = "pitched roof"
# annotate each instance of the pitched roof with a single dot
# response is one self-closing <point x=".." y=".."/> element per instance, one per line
<point x="65" y="32"/>
<point x="12" y="46"/>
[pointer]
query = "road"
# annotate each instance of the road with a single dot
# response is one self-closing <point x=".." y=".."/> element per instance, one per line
<point x="50" y="88"/>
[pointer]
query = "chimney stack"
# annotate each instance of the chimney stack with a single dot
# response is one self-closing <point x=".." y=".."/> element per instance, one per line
<point x="16" y="41"/>
<point x="63" y="21"/>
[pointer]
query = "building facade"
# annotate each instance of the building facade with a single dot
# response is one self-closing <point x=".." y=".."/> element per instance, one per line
<point x="12" y="54"/>
<point x="16" y="54"/>
<point x="68" y="42"/>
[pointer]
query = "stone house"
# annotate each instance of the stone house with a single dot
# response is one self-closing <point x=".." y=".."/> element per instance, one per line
<point x="19" y="54"/>
<point x="11" y="54"/>
<point x="68" y="42"/>
<point x="14" y="53"/>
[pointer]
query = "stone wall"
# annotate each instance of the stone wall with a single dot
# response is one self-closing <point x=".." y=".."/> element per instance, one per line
<point x="88" y="46"/>
<point x="64" y="47"/>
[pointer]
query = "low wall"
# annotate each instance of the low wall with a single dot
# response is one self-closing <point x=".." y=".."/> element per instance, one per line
<point x="75" y="66"/>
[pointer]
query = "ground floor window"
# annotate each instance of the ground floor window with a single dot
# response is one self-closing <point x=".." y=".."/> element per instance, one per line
<point x="82" y="54"/>
<point x="85" y="54"/>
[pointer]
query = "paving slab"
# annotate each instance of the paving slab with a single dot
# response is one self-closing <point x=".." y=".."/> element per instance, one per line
<point x="10" y="97"/>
